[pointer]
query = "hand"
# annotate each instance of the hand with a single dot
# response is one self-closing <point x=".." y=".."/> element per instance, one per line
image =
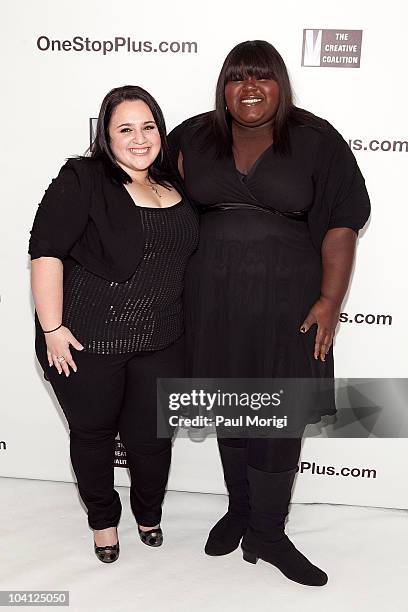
<point x="58" y="343"/>
<point x="325" y="314"/>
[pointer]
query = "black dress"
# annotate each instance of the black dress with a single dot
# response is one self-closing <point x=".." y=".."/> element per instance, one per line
<point x="257" y="270"/>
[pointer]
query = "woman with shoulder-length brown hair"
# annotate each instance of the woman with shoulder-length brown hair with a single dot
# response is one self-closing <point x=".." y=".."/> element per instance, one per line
<point x="281" y="200"/>
<point x="109" y="246"/>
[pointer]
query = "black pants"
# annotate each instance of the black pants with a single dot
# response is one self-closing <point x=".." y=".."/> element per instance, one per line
<point x="110" y="394"/>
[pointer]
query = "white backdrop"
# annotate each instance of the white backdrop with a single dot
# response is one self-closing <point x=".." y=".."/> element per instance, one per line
<point x="47" y="100"/>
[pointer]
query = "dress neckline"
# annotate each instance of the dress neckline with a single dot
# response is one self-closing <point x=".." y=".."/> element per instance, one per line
<point x="254" y="165"/>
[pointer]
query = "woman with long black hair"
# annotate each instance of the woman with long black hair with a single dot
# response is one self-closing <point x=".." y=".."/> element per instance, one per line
<point x="282" y="200"/>
<point x="109" y="246"/>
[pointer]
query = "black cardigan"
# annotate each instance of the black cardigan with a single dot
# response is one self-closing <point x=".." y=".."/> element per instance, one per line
<point x="88" y="217"/>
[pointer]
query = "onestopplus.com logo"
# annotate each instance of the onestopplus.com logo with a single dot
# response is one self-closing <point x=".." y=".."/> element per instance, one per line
<point x="367" y="318"/>
<point x="116" y="44"/>
<point x="332" y="48"/>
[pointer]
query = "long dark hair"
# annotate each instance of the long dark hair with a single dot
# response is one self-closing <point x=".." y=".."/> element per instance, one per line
<point x="161" y="171"/>
<point x="259" y="59"/>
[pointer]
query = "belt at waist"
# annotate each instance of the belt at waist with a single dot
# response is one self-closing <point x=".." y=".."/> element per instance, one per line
<point x="300" y="215"/>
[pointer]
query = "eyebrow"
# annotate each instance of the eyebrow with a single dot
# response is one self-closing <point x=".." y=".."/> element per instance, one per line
<point x="128" y="124"/>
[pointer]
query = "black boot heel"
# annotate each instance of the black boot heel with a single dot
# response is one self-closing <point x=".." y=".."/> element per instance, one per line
<point x="250" y="557"/>
<point x="153" y="537"/>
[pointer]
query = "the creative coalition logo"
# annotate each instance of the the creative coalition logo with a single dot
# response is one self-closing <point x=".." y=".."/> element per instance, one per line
<point x="332" y="48"/>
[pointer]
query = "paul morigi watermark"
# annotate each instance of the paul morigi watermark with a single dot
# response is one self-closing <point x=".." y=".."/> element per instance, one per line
<point x="211" y="402"/>
<point x="239" y="407"/>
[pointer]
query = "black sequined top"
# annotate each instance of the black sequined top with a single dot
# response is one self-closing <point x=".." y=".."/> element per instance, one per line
<point x="145" y="312"/>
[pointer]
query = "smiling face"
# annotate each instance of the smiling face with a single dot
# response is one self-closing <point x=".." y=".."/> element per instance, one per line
<point x="134" y="137"/>
<point x="252" y="102"/>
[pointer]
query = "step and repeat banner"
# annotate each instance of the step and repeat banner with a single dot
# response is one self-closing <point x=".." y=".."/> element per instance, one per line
<point x="347" y="62"/>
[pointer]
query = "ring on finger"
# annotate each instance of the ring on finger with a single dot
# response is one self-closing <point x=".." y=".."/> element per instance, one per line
<point x="60" y="359"/>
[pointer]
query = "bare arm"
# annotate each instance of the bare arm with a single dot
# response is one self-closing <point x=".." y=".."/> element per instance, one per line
<point x="180" y="164"/>
<point x="46" y="285"/>
<point x="337" y="257"/>
<point x="337" y="260"/>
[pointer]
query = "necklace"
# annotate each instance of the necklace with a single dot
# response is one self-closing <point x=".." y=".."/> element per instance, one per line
<point x="150" y="185"/>
<point x="154" y="188"/>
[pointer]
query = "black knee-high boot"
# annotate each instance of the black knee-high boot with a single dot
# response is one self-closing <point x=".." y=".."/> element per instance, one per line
<point x="265" y="538"/>
<point x="226" y="535"/>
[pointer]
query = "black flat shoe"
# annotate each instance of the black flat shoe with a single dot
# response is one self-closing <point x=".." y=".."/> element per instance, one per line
<point x="107" y="554"/>
<point x="153" y="537"/>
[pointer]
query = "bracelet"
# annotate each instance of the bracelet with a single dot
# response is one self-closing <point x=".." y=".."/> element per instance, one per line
<point x="52" y="330"/>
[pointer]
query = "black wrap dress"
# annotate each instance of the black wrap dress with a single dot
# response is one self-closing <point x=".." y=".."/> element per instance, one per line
<point x="257" y="270"/>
